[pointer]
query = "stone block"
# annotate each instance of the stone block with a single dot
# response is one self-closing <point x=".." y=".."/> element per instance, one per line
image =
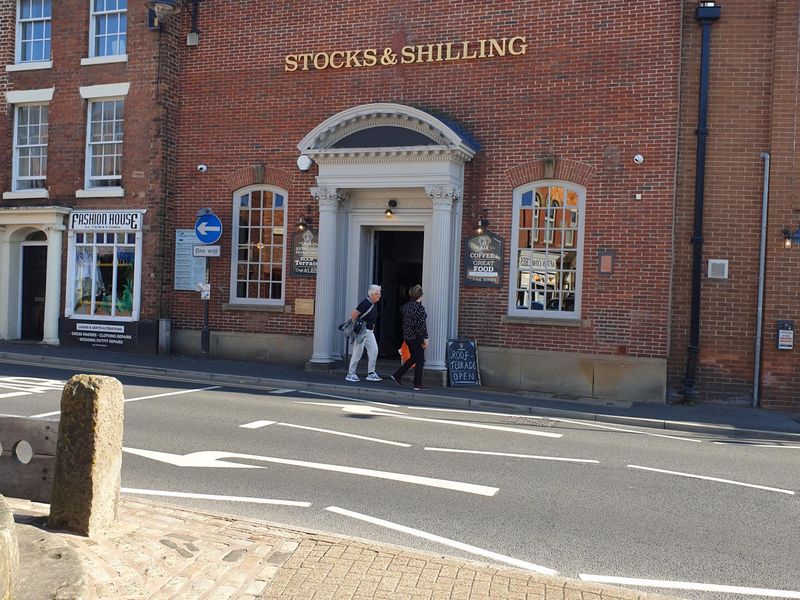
<point x="86" y="486"/>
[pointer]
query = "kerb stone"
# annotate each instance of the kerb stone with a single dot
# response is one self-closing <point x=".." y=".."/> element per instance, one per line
<point x="89" y="456"/>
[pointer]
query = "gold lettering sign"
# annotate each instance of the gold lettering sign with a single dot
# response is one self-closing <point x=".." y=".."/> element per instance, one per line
<point x="420" y="53"/>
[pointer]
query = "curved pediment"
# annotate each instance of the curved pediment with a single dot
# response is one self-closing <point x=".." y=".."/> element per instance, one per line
<point x="384" y="127"/>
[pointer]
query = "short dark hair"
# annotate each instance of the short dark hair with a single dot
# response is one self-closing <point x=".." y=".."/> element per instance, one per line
<point x="415" y="292"/>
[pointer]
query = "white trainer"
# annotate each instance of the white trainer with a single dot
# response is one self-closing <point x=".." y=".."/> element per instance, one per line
<point x="352" y="377"/>
<point x="374" y="377"/>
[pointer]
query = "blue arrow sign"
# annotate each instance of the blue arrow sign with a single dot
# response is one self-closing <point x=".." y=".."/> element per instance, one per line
<point x="208" y="228"/>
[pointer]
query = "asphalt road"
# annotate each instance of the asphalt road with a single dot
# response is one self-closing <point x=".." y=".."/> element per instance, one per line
<point x="710" y="516"/>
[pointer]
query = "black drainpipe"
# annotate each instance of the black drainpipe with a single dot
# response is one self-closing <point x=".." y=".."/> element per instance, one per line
<point x="706" y="14"/>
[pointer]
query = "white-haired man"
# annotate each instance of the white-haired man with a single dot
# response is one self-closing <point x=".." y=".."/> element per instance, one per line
<point x="367" y="311"/>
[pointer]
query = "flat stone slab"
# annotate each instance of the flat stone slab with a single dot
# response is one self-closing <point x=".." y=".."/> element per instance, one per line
<point x="49" y="568"/>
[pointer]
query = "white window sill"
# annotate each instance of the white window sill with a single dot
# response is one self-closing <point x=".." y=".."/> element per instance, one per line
<point x="110" y="192"/>
<point x="23" y="194"/>
<point x="104" y="60"/>
<point x="108" y="318"/>
<point x="30" y="66"/>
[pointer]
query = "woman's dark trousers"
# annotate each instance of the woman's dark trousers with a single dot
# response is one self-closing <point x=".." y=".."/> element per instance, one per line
<point x="417" y="359"/>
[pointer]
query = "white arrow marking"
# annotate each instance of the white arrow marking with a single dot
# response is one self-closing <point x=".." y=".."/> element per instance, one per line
<point x="382" y="412"/>
<point x="693" y="476"/>
<point x="259" y="424"/>
<point x="688" y="585"/>
<point x="443" y="540"/>
<point x="205" y="227"/>
<point x="211" y="458"/>
<point x="214" y="497"/>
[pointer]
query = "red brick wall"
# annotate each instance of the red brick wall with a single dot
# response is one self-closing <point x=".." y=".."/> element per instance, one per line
<point x="752" y="109"/>
<point x="143" y="137"/>
<point x="599" y="83"/>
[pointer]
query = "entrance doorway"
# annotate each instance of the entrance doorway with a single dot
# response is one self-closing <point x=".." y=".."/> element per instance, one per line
<point x="34" y="282"/>
<point x="397" y="267"/>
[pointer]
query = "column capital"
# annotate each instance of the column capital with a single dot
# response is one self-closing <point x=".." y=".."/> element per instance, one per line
<point x="329" y="198"/>
<point x="443" y="196"/>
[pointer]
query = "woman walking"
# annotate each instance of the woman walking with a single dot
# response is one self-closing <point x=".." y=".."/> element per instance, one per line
<point x="415" y="333"/>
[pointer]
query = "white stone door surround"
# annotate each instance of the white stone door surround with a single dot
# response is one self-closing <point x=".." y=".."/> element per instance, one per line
<point x="15" y="225"/>
<point x="352" y="186"/>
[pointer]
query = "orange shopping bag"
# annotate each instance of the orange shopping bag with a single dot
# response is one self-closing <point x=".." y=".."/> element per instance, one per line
<point x="405" y="353"/>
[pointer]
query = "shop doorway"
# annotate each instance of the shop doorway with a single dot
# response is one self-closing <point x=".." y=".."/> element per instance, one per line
<point x="397" y="267"/>
<point x="34" y="282"/>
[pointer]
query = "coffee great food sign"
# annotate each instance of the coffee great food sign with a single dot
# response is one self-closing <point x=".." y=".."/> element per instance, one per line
<point x="420" y="53"/>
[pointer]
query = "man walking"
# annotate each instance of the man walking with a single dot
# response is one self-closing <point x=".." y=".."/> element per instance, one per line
<point x="367" y="311"/>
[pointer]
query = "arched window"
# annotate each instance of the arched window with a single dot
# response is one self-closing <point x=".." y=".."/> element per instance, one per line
<point x="259" y="246"/>
<point x="547" y="246"/>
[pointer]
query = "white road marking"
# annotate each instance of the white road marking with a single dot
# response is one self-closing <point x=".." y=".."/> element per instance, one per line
<point x="693" y="476"/>
<point x="214" y="497"/>
<point x="283" y="391"/>
<point x="14" y="394"/>
<point x="212" y="458"/>
<point x="257" y="424"/>
<point x="443" y="540"/>
<point x="559" y="419"/>
<point x="688" y="585"/>
<point x="372" y="410"/>
<point x="179" y="392"/>
<point x="350" y="435"/>
<point x="752" y="444"/>
<point x="512" y="455"/>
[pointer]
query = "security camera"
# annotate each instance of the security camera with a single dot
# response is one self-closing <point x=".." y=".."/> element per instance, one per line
<point x="638" y="159"/>
<point x="202" y="167"/>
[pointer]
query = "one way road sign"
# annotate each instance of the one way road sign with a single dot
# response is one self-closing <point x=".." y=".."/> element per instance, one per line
<point x="208" y="228"/>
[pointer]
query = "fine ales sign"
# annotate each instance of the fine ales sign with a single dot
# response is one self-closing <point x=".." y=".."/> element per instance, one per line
<point x="420" y="53"/>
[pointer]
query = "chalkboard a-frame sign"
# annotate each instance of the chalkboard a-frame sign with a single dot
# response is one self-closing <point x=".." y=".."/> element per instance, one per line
<point x="462" y="362"/>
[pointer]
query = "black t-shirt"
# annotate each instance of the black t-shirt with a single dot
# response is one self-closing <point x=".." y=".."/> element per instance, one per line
<point x="372" y="316"/>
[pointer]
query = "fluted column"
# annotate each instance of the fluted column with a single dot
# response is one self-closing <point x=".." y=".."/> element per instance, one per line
<point x="437" y="297"/>
<point x="329" y="200"/>
<point x="52" y="297"/>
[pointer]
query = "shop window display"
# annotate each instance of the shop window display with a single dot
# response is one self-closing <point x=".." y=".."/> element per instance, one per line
<point x="104" y="274"/>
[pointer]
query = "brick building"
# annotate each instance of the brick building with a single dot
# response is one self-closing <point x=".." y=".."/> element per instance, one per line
<point x="566" y="130"/>
<point x="82" y="186"/>
<point x="526" y="114"/>
<point x="752" y="123"/>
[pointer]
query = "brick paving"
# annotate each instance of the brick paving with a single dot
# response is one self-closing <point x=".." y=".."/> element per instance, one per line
<point x="162" y="552"/>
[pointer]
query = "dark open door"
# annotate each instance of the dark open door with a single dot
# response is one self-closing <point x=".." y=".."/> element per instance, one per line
<point x="34" y="281"/>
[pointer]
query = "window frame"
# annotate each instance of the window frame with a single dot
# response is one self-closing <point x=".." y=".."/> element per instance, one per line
<point x="93" y="15"/>
<point x="233" y="298"/>
<point x="18" y="38"/>
<point x="87" y="187"/>
<point x="15" y="149"/>
<point x="137" y="274"/>
<point x="548" y="314"/>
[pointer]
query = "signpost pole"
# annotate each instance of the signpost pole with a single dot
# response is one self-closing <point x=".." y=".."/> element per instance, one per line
<point x="205" y="336"/>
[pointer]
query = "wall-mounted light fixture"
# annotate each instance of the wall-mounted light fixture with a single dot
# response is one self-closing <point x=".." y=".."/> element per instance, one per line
<point x="482" y="224"/>
<point x="791" y="237"/>
<point x="164" y="9"/>
<point x="389" y="213"/>
<point x="305" y="221"/>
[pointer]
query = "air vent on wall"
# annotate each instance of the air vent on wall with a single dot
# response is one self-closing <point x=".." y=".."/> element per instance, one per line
<point x="717" y="269"/>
